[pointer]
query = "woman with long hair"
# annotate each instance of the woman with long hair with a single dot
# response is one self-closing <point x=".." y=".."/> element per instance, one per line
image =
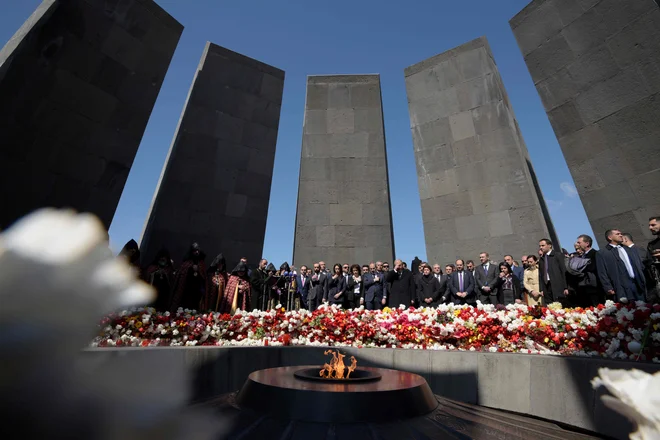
<point x="336" y="286"/>
<point x="354" y="289"/>
<point x="531" y="282"/>
<point x="509" y="291"/>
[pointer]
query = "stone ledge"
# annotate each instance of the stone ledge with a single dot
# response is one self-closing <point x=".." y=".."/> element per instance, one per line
<point x="550" y="387"/>
<point x="437" y="59"/>
<point x="250" y="62"/>
<point x="337" y="79"/>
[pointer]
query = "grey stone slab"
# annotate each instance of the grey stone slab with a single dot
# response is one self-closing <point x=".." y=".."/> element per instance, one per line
<point x="455" y="375"/>
<point x="225" y="147"/>
<point x="550" y="57"/>
<point x="462" y="126"/>
<point x="605" y="202"/>
<point x="538" y="26"/>
<point x="566" y="119"/>
<point x="436" y="132"/>
<point x="467" y="151"/>
<point x="558" y="88"/>
<point x="611" y="95"/>
<point x="512" y="372"/>
<point x="70" y="94"/>
<point x="244" y="361"/>
<point x="437" y="231"/>
<point x="461" y="132"/>
<point x="429" y="109"/>
<point x="446" y="206"/>
<point x="602" y="100"/>
<point x="490" y="117"/>
<point x="343" y="190"/>
<point x="414" y="361"/>
<point x="552" y="401"/>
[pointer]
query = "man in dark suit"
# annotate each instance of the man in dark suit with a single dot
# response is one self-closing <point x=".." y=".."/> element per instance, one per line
<point x="518" y="271"/>
<point x="653" y="250"/>
<point x="442" y="279"/>
<point x="374" y="289"/>
<point x="620" y="269"/>
<point x="462" y="286"/>
<point x="643" y="252"/>
<point x="552" y="274"/>
<point x="588" y="292"/>
<point x="485" y="277"/>
<point x="317" y="291"/>
<point x="258" y="281"/>
<point x="402" y="289"/>
<point x="304" y="283"/>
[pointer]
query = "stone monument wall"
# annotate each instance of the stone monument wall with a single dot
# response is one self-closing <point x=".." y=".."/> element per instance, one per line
<point x="343" y="213"/>
<point x="477" y="185"/>
<point x="596" y="66"/>
<point x="215" y="186"/>
<point x="78" y="82"/>
<point x="555" y="388"/>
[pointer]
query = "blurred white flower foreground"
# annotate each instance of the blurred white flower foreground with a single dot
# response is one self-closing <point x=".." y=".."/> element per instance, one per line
<point x="57" y="279"/>
<point x="636" y="396"/>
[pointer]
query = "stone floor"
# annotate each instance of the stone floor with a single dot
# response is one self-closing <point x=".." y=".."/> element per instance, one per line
<point x="451" y="420"/>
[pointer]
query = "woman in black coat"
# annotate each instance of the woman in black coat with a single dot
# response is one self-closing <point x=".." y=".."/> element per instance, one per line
<point x="428" y="288"/>
<point x="336" y="286"/>
<point x="508" y="286"/>
<point x="354" y="289"/>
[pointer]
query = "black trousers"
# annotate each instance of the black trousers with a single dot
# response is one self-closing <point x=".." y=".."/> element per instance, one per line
<point x="313" y="303"/>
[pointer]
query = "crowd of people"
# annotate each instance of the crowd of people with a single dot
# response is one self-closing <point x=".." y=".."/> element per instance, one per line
<point x="586" y="277"/>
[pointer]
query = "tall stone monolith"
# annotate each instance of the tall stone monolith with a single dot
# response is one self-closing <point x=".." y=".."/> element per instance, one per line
<point x="343" y="213"/>
<point x="78" y="82"/>
<point x="596" y="66"/>
<point x="477" y="186"/>
<point x="215" y="185"/>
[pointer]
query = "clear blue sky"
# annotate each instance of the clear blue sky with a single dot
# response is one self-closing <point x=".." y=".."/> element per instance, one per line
<point x="339" y="37"/>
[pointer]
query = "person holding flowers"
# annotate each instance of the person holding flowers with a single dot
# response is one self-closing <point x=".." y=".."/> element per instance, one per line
<point x="509" y="291"/>
<point x="531" y="282"/>
<point x="238" y="292"/>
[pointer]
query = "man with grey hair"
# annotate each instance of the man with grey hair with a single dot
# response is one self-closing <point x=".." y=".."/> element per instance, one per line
<point x="402" y="286"/>
<point x="485" y="277"/>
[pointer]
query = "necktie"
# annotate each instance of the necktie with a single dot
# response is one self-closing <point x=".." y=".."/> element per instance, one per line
<point x="486" y="268"/>
<point x="460" y="281"/>
<point x="545" y="258"/>
<point x="626" y="261"/>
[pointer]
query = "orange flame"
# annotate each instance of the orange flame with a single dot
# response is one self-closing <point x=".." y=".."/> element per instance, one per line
<point x="336" y="368"/>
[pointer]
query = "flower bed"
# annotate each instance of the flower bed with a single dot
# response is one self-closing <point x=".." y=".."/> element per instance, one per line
<point x="621" y="331"/>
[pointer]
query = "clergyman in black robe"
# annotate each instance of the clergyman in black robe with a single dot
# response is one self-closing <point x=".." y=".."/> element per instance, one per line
<point x="190" y="280"/>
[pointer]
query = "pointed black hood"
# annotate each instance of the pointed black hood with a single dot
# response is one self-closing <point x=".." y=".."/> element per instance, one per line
<point x="218" y="263"/>
<point x="193" y="248"/>
<point x="270" y="268"/>
<point x="131" y="251"/>
<point x="163" y="253"/>
<point x="285" y="267"/>
<point x="240" y="267"/>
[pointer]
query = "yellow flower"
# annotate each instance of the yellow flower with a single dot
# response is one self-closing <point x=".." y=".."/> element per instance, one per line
<point x="138" y="324"/>
<point x="387" y="310"/>
<point x="546" y="340"/>
<point x="457" y="312"/>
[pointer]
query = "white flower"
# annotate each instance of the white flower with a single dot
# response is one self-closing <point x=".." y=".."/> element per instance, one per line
<point x="636" y="396"/>
<point x="56" y="268"/>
